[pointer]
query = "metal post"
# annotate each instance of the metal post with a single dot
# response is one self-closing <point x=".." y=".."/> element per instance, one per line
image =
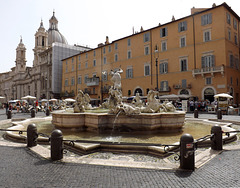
<point x="9" y="114"/>
<point x="47" y="112"/>
<point x="216" y="139"/>
<point x="32" y="135"/>
<point x="219" y="113"/>
<point x="56" y="145"/>
<point x="33" y="113"/>
<point x="187" y="156"/>
<point x="195" y="113"/>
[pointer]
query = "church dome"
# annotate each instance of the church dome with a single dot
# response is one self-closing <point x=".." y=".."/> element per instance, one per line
<point x="53" y="33"/>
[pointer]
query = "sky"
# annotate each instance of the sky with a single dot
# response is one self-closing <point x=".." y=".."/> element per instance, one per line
<point x="86" y="22"/>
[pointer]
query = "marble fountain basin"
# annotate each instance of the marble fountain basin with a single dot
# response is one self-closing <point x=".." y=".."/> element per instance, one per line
<point x="165" y="121"/>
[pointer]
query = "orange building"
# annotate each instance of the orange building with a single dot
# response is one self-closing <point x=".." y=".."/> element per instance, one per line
<point x="196" y="55"/>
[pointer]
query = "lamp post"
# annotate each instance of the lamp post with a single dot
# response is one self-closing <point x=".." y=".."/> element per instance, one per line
<point x="156" y="55"/>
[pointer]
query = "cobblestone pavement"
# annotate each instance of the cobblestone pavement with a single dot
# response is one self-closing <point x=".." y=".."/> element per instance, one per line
<point x="20" y="167"/>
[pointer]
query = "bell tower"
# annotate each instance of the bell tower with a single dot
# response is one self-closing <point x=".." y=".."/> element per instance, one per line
<point x="41" y="43"/>
<point x="20" y="57"/>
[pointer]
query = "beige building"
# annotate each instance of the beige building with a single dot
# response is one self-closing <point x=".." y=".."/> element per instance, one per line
<point x="197" y="55"/>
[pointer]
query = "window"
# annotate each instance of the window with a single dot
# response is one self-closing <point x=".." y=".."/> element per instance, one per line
<point x="72" y="81"/>
<point x="184" y="83"/>
<point x="208" y="80"/>
<point x="104" y="50"/>
<point x="85" y="79"/>
<point x="237" y="63"/>
<point x="164" y="45"/>
<point x="129" y="54"/>
<point x="182" y="41"/>
<point x="72" y="67"/>
<point x="94" y="53"/>
<point x="235" y="39"/>
<point x="72" y="59"/>
<point x="183" y="65"/>
<point x="231" y="80"/>
<point x="206" y="36"/>
<point x="147" y="69"/>
<point x="116" y="57"/>
<point x="66" y="82"/>
<point x="234" y="23"/>
<point x="163" y="68"/>
<point x="79" y="66"/>
<point x="146" y="37"/>
<point x="79" y="58"/>
<point x="208" y="61"/>
<point x="79" y="79"/>
<point x="66" y="70"/>
<point x="231" y="61"/>
<point x="129" y="72"/>
<point x="116" y="46"/>
<point x="86" y="64"/>
<point x="229" y="34"/>
<point x="146" y="50"/>
<point x="182" y="26"/>
<point x="228" y="18"/>
<point x="109" y="49"/>
<point x="163" y="32"/>
<point x="206" y="19"/>
<point x="104" y="60"/>
<point x="86" y="55"/>
<point x="94" y="63"/>
<point x="164" y="86"/>
<point x="129" y="42"/>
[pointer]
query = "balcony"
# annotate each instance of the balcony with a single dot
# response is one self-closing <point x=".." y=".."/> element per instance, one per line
<point x="94" y="81"/>
<point x="179" y="86"/>
<point x="208" y="70"/>
<point x="165" y="89"/>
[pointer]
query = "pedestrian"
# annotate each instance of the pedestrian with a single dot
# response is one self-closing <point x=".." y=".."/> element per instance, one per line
<point x="36" y="106"/>
<point x="7" y="107"/>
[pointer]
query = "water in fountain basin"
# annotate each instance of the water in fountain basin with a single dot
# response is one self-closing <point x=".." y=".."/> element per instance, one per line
<point x="196" y="129"/>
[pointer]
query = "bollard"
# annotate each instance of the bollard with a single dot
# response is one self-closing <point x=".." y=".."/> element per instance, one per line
<point x="32" y="135"/>
<point x="219" y="114"/>
<point x="195" y="113"/>
<point x="9" y="114"/>
<point x="33" y="113"/>
<point x="56" y="145"/>
<point x="47" y="112"/>
<point x="187" y="156"/>
<point x="216" y="139"/>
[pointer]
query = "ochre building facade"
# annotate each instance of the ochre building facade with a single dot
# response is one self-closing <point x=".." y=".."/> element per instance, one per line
<point x="197" y="55"/>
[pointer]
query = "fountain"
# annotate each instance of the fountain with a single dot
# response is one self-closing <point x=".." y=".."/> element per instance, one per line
<point x="137" y="116"/>
<point x="121" y="127"/>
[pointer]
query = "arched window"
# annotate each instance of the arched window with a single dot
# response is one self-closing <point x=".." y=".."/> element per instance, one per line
<point x="184" y="92"/>
<point x="138" y="90"/>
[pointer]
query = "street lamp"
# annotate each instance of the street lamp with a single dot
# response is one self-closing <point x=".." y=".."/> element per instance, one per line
<point x="156" y="55"/>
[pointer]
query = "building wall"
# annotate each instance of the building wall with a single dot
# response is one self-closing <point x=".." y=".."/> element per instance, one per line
<point x="223" y="75"/>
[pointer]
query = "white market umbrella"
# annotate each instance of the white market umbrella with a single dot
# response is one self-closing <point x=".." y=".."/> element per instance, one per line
<point x="44" y="100"/>
<point x="53" y="100"/>
<point x="2" y="97"/>
<point x="169" y="97"/>
<point x="223" y="95"/>
<point x="69" y="100"/>
<point x="28" y="97"/>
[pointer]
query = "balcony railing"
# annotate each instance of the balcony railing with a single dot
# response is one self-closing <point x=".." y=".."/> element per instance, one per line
<point x="180" y="86"/>
<point x="165" y="89"/>
<point x="208" y="70"/>
<point x="94" y="81"/>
